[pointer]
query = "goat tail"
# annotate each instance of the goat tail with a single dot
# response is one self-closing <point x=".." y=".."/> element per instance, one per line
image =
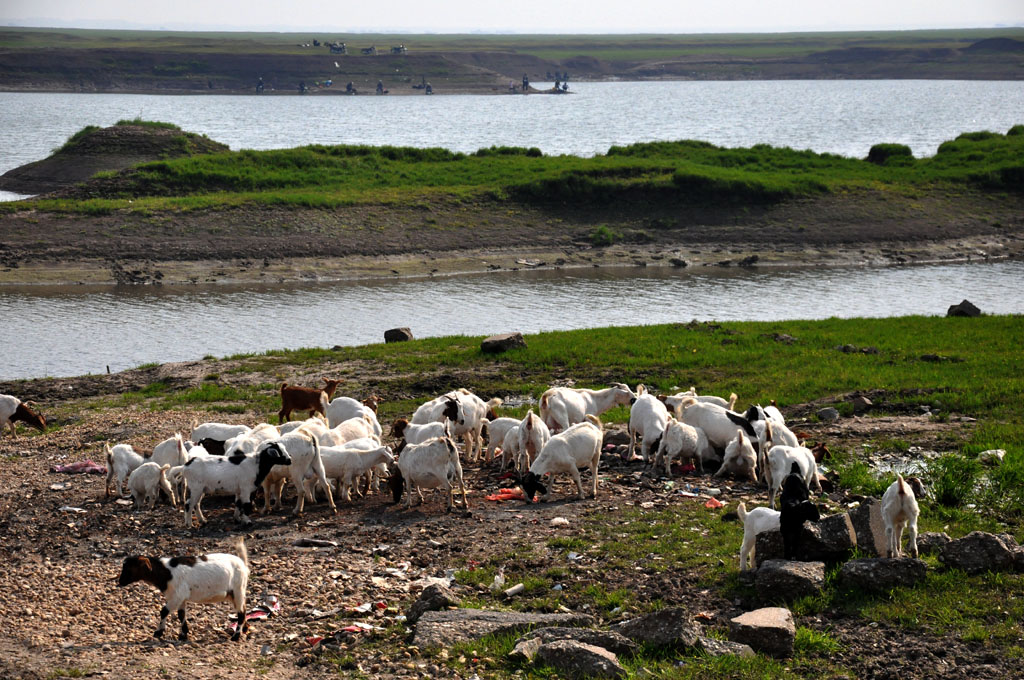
<point x="732" y="401"/>
<point x="902" y="484"/>
<point x="494" y="403"/>
<point x="109" y="454"/>
<point x="283" y="386"/>
<point x="741" y="511"/>
<point x="239" y="545"/>
<point x="686" y="403"/>
<point x="595" y="421"/>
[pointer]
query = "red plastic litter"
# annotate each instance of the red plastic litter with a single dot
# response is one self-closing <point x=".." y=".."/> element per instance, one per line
<point x="507" y="475"/>
<point x="81" y="467"/>
<point x="713" y="503"/>
<point x="352" y="629"/>
<point x="380" y="605"/>
<point x="313" y="639"/>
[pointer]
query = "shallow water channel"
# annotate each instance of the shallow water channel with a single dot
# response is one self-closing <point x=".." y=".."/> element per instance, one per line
<point x="74" y="330"/>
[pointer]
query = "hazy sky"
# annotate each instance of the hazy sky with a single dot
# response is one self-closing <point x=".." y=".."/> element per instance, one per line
<point x="521" y="16"/>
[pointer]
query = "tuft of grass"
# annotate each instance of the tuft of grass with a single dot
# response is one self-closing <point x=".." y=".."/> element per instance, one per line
<point x="953" y="478"/>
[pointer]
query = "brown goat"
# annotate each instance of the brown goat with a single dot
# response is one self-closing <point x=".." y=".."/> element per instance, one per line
<point x="297" y="398"/>
<point x="13" y="410"/>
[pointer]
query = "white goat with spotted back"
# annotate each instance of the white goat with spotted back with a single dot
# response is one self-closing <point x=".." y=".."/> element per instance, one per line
<point x="213" y="436"/>
<point x="684" y="442"/>
<point x="561" y="407"/>
<point x="239" y="475"/>
<point x="250" y="441"/>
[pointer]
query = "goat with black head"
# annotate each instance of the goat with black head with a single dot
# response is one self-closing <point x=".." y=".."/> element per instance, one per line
<point x="796" y="508"/>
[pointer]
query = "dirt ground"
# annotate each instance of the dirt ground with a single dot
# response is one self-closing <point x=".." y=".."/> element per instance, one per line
<point x="62" y="542"/>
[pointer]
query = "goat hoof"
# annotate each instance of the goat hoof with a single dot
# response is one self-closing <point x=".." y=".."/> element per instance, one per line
<point x="158" y="634"/>
<point x="183" y="638"/>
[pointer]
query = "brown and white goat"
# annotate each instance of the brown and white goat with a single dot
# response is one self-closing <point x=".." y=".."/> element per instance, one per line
<point x="13" y="409"/>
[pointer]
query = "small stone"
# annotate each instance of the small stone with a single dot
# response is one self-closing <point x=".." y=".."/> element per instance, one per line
<point x="579" y="660"/>
<point x="770" y="630"/>
<point x="502" y="343"/>
<point x="828" y="415"/>
<point x="402" y="334"/>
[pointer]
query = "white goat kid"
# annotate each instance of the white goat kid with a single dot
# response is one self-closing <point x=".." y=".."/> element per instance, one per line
<point x="533" y="435"/>
<point x="566" y="452"/>
<point x="740" y="459"/>
<point x="145" y="483"/>
<point x="347" y="465"/>
<point x="675" y="400"/>
<point x="496" y="431"/>
<point x="346" y="408"/>
<point x="121" y="461"/>
<point x="561" y="407"/>
<point x="780" y="462"/>
<point x="755" y="522"/>
<point x="685" y="442"/>
<point x="899" y="511"/>
<point x="647" y="420"/>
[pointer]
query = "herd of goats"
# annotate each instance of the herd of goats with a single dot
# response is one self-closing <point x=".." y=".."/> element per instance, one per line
<point x="342" y="440"/>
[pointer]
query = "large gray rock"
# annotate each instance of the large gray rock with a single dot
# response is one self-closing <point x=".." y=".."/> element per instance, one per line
<point x="397" y="334"/>
<point x="608" y="639"/>
<point x="770" y="630"/>
<point x="882" y="574"/>
<point x="713" y="647"/>
<point x="671" y="626"/>
<point x="579" y="660"/>
<point x="433" y="598"/>
<point x="869" y="527"/>
<point x="828" y="414"/>
<point x="445" y="628"/>
<point x="502" y="343"/>
<point x="965" y="308"/>
<point x="783" y="580"/>
<point x="978" y="552"/>
<point x="931" y="542"/>
<point x="829" y="540"/>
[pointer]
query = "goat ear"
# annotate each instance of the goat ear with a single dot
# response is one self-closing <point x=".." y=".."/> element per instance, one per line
<point x="145" y="563"/>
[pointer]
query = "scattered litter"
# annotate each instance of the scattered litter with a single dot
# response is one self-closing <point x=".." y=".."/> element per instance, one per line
<point x="358" y="626"/>
<point x="69" y="508"/>
<point x="124" y="501"/>
<point x="367" y="607"/>
<point x="317" y="614"/>
<point x="704" y="616"/>
<point x="499" y="581"/>
<point x="266" y="650"/>
<point x="688" y="494"/>
<point x="507" y="495"/>
<point x="647" y="505"/>
<point x="381" y="549"/>
<point x="314" y="639"/>
<point x="59" y="487"/>
<point x="270" y="606"/>
<point x="559" y="522"/>
<point x="339" y="574"/>
<point x="81" y="467"/>
<point x="573" y="556"/>
<point x="713" y="503"/>
<point x="507" y="475"/>
<point x="712" y="492"/>
<point x="314" y="543"/>
<point x="558" y="586"/>
<point x="515" y="590"/>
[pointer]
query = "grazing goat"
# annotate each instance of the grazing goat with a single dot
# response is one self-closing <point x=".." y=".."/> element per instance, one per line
<point x="647" y="419"/>
<point x="204" y="578"/>
<point x="251" y="440"/>
<point x="755" y="522"/>
<point x="13" y="409"/>
<point x="213" y="436"/>
<point x="796" y="509"/>
<point x="576" y="447"/>
<point x="561" y="407"/>
<point x="121" y="461"/>
<point x="414" y="433"/>
<point x="740" y="458"/>
<point x="303" y="450"/>
<point x="720" y="425"/>
<point x="430" y="465"/>
<point x="899" y="511"/>
<point x="346" y="431"/>
<point x="145" y="483"/>
<point x="510" y="451"/>
<point x="533" y="435"/>
<point x="781" y="459"/>
<point x="297" y="398"/>
<point x="674" y="401"/>
<point x="345" y="408"/>
<point x="239" y="475"/>
<point x="684" y="441"/>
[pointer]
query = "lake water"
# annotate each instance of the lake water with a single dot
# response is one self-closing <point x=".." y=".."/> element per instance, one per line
<point x="75" y="330"/>
<point x="839" y="116"/>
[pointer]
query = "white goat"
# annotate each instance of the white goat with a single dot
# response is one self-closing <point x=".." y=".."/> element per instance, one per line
<point x="740" y="458"/>
<point x="533" y="435"/>
<point x="675" y="400"/>
<point x="496" y="431"/>
<point x="213" y="435"/>
<point x="780" y="462"/>
<point x="899" y="511"/>
<point x="204" y="578"/>
<point x="250" y="441"/>
<point x="349" y="464"/>
<point x="345" y="408"/>
<point x="304" y="451"/>
<point x="145" y="483"/>
<point x="172" y="451"/>
<point x="510" y="451"/>
<point x="430" y="465"/>
<point x="239" y="475"/>
<point x="417" y="433"/>
<point x="561" y="407"/>
<point x="684" y="441"/>
<point x="292" y="425"/>
<point x="121" y="461"/>
<point x="755" y="522"/>
<point x="578" y="446"/>
<point x="647" y="419"/>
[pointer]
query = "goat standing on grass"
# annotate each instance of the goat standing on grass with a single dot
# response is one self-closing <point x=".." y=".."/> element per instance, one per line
<point x="296" y="398"/>
<point x="13" y="409"/>
<point x="561" y="407"/>
<point x="756" y="521"/>
<point x="796" y="508"/>
<point x="204" y="578"/>
<point x="899" y="510"/>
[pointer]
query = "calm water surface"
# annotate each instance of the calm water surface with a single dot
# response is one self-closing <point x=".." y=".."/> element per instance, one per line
<point x="76" y="330"/>
<point x="839" y="116"/>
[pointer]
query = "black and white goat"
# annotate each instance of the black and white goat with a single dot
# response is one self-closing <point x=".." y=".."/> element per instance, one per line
<point x="13" y="410"/>
<point x="795" y="509"/>
<point x="194" y="578"/>
<point x="239" y="475"/>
